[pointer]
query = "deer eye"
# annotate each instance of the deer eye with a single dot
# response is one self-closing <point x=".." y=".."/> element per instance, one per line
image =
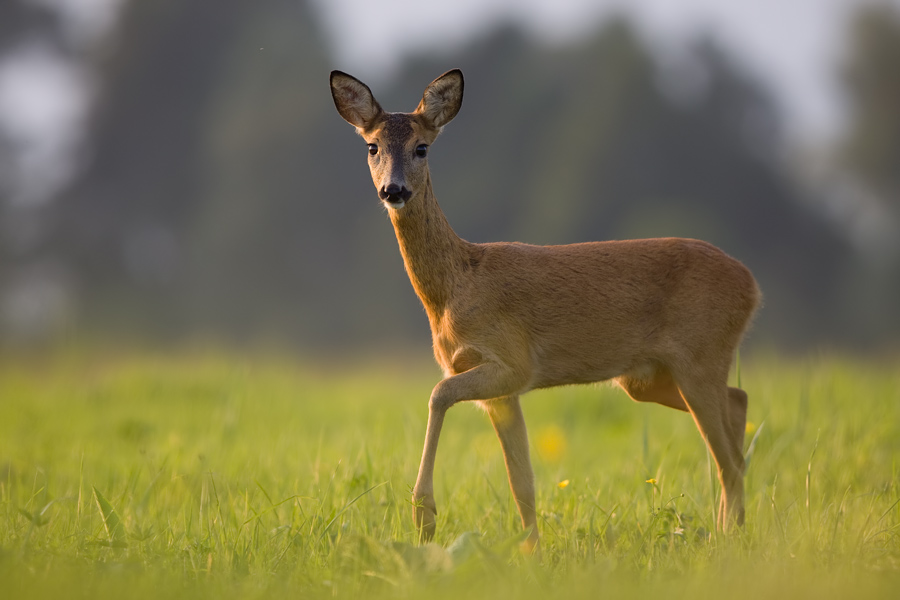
<point x="373" y="149"/>
<point x="421" y="150"/>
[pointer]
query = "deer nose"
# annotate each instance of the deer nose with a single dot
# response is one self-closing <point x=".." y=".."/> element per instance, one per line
<point x="392" y="191"/>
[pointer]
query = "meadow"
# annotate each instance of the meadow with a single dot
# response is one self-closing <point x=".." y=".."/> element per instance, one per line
<point x="201" y="474"/>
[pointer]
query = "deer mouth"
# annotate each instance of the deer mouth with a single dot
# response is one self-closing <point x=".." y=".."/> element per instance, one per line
<point x="396" y="202"/>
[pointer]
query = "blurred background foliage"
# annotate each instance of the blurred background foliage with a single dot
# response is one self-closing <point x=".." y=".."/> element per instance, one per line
<point x="218" y="195"/>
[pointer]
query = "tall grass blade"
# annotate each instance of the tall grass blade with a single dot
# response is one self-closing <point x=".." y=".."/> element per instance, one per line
<point x="809" y="481"/>
<point x="115" y="531"/>
<point x="80" y="487"/>
<point x="752" y="447"/>
<point x="346" y="507"/>
<point x="645" y="443"/>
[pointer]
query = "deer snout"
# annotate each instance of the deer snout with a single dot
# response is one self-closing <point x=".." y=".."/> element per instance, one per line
<point x="394" y="194"/>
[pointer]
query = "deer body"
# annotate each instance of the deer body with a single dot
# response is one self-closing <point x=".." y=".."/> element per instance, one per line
<point x="661" y="317"/>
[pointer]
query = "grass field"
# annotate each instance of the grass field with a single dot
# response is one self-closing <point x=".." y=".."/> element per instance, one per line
<point x="202" y="475"/>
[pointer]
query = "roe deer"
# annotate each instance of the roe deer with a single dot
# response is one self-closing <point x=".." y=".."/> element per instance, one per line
<point x="660" y="317"/>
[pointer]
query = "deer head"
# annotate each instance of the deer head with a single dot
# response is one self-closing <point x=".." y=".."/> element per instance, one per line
<point x="398" y="142"/>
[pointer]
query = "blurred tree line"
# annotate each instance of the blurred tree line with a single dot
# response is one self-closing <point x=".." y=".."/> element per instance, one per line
<point x="224" y="197"/>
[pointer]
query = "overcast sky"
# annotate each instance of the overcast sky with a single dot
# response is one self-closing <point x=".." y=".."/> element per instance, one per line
<point x="792" y="45"/>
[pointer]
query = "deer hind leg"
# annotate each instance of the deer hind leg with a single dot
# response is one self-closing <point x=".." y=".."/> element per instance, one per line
<point x="737" y="415"/>
<point x="717" y="411"/>
<point x="735" y="420"/>
<point x="509" y="423"/>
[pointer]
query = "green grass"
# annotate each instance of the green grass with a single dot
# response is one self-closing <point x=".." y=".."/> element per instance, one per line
<point x="202" y="475"/>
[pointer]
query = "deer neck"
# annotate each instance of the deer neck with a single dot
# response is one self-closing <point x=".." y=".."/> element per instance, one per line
<point x="434" y="256"/>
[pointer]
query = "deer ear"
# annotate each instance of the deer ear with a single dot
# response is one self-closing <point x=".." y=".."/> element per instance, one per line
<point x="442" y="98"/>
<point x="354" y="100"/>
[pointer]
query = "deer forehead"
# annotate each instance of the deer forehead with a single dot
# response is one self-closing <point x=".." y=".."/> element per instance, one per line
<point x="397" y="130"/>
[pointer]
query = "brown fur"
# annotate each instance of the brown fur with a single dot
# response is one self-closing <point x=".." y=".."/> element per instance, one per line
<point x="661" y="317"/>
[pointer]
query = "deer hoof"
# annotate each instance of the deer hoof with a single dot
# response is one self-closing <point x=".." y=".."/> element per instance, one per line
<point x="424" y="512"/>
<point x="531" y="546"/>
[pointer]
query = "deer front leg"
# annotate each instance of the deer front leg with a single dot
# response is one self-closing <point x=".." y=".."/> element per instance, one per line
<point x="490" y="380"/>
<point x="424" y="508"/>
<point x="509" y="423"/>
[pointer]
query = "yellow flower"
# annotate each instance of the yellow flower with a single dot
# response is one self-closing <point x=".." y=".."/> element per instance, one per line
<point x="750" y="428"/>
<point x="651" y="481"/>
<point x="551" y="443"/>
<point x="563" y="483"/>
